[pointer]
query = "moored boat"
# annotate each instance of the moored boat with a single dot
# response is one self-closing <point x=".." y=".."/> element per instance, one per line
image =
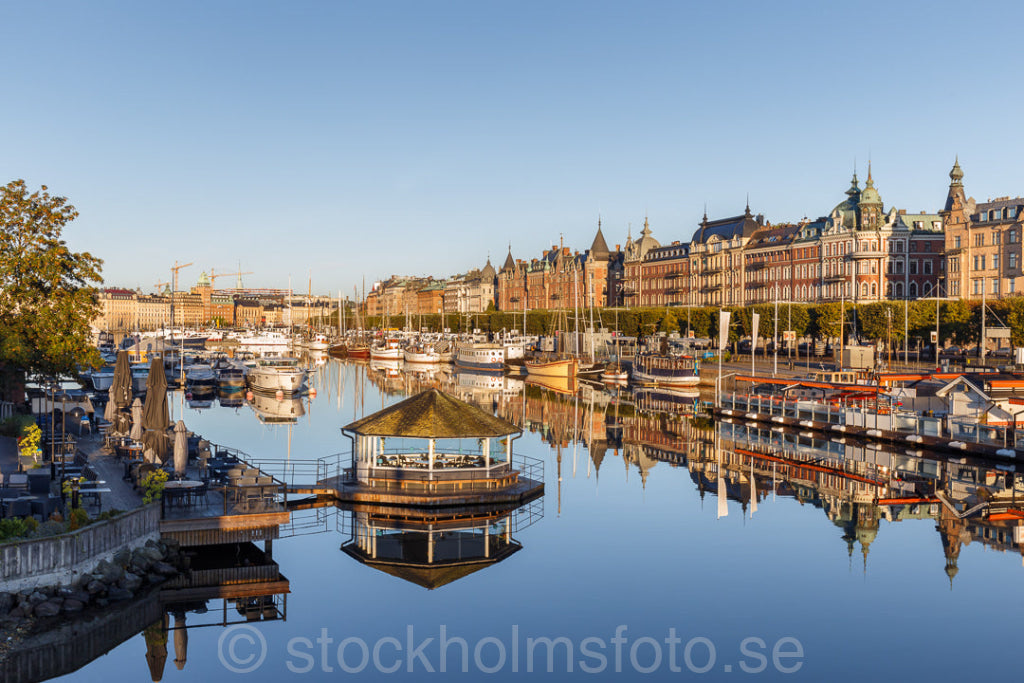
<point x="559" y="367"/>
<point x="666" y="371"/>
<point x="278" y="374"/>
<point x="389" y="349"/>
<point x="480" y="356"/>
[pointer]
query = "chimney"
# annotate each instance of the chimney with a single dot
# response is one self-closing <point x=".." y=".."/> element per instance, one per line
<point x="903" y="212"/>
<point x="617" y="248"/>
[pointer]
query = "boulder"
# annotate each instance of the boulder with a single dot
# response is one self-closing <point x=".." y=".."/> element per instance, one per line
<point x="6" y="603"/>
<point x="108" y="572"/>
<point x="154" y="578"/>
<point x="95" y="587"/>
<point x="130" y="582"/>
<point x="37" y="598"/>
<point x="122" y="557"/>
<point x="117" y="594"/>
<point x="72" y="605"/>
<point x="164" y="569"/>
<point x="50" y="608"/>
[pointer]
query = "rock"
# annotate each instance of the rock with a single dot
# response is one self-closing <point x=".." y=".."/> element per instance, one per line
<point x="6" y="603"/>
<point x="164" y="569"/>
<point x="81" y="595"/>
<point x="154" y="578"/>
<point x="18" y="612"/>
<point x="50" y="608"/>
<point x="122" y="557"/>
<point x="95" y="587"/>
<point x="72" y="605"/>
<point x="172" y="543"/>
<point x="108" y="573"/>
<point x="130" y="582"/>
<point x="151" y="554"/>
<point x="37" y="598"/>
<point x="102" y="602"/>
<point x="117" y="594"/>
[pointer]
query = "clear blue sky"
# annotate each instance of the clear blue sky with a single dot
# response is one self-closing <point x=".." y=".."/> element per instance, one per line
<point x="346" y="140"/>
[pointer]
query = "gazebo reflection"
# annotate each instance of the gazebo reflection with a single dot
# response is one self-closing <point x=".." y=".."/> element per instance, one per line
<point x="433" y="551"/>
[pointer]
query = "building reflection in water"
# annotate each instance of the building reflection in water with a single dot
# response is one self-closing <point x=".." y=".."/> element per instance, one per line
<point x="432" y="548"/>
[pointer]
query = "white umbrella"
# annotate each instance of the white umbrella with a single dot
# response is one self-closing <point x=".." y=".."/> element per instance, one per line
<point x="136" y="432"/>
<point x="111" y="410"/>
<point x="149" y="455"/>
<point x="180" y="448"/>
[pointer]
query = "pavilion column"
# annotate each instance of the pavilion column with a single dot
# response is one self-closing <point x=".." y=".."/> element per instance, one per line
<point x="486" y="443"/>
<point x="487" y="541"/>
<point x="508" y="529"/>
<point x="508" y="451"/>
<point x="430" y="547"/>
<point x="430" y="457"/>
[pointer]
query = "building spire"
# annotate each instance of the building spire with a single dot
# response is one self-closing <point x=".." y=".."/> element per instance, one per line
<point x="957" y="174"/>
<point x="746" y="212"/>
<point x="870" y="183"/>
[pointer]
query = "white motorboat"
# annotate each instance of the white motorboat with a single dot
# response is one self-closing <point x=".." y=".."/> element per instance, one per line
<point x="388" y="350"/>
<point x="278" y="374"/>
<point x="265" y="342"/>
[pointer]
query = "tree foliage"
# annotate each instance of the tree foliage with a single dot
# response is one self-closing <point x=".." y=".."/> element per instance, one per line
<point x="47" y="291"/>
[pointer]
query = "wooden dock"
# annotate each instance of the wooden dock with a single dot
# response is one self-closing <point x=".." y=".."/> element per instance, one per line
<point x="898" y="438"/>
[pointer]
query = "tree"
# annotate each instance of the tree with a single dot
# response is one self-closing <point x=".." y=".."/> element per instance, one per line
<point x="47" y="291"/>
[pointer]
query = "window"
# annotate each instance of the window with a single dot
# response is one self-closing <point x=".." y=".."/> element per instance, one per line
<point x="913" y="267"/>
<point x="1011" y="212"/>
<point x="995" y="285"/>
<point x="977" y="286"/>
<point x="995" y="261"/>
<point x="927" y="267"/>
<point x="979" y="240"/>
<point x="956" y="242"/>
<point x="1011" y="286"/>
<point x="996" y="237"/>
<point x="1012" y="261"/>
<point x="1012" y="237"/>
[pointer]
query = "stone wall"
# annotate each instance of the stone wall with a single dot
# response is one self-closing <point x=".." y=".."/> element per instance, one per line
<point x="60" y="560"/>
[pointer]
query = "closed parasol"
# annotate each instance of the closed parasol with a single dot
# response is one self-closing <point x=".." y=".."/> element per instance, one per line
<point x="180" y="448"/>
<point x="136" y="432"/>
<point x="155" y="415"/>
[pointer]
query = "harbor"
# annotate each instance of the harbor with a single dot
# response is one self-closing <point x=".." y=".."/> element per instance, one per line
<point x="608" y="456"/>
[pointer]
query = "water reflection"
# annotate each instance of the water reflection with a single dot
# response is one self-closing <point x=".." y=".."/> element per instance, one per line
<point x="431" y="550"/>
<point x="851" y="487"/>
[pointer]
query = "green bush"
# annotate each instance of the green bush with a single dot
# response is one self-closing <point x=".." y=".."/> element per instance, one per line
<point x="12" y="528"/>
<point x="153" y="485"/>
<point x="15" y="425"/>
<point x="78" y="519"/>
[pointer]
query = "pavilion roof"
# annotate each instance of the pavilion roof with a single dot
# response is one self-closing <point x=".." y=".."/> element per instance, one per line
<point x="432" y="414"/>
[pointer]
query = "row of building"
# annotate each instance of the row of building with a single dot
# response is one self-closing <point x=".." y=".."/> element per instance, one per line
<point x="124" y="310"/>
<point x="860" y="251"/>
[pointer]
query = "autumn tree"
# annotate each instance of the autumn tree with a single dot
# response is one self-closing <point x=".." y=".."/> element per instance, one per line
<point x="47" y="291"/>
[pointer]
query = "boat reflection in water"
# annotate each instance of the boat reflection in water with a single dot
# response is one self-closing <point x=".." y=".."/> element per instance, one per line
<point x="430" y="550"/>
<point x="271" y="410"/>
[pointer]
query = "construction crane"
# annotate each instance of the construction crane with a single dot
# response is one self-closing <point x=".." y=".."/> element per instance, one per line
<point x="159" y="285"/>
<point x="214" y="276"/>
<point x="174" y="269"/>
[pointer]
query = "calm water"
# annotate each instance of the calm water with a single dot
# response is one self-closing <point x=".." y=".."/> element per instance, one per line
<point x="637" y="539"/>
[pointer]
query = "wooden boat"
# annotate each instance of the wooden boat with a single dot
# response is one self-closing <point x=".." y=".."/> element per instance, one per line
<point x="666" y="371"/>
<point x="561" y="367"/>
<point x="480" y="356"/>
<point x="389" y="349"/>
<point x="614" y="373"/>
<point x="421" y="355"/>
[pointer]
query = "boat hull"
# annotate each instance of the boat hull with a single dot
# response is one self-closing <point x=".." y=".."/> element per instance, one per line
<point x="565" y="367"/>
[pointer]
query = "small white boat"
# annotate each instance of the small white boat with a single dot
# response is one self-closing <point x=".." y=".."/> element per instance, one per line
<point x="319" y="342"/>
<point x="278" y="374"/>
<point x="102" y="379"/>
<point x="562" y="367"/>
<point x="388" y="350"/>
<point x="421" y="355"/>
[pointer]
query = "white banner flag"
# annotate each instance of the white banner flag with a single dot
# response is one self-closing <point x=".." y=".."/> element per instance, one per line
<point x="723" y="329"/>
<point x="755" y="328"/>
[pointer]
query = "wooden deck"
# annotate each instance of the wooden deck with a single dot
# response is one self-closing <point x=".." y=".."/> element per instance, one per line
<point x="898" y="438"/>
<point x="522" y="490"/>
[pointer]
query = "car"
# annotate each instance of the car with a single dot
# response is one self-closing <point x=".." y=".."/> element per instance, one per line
<point x="1004" y="352"/>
